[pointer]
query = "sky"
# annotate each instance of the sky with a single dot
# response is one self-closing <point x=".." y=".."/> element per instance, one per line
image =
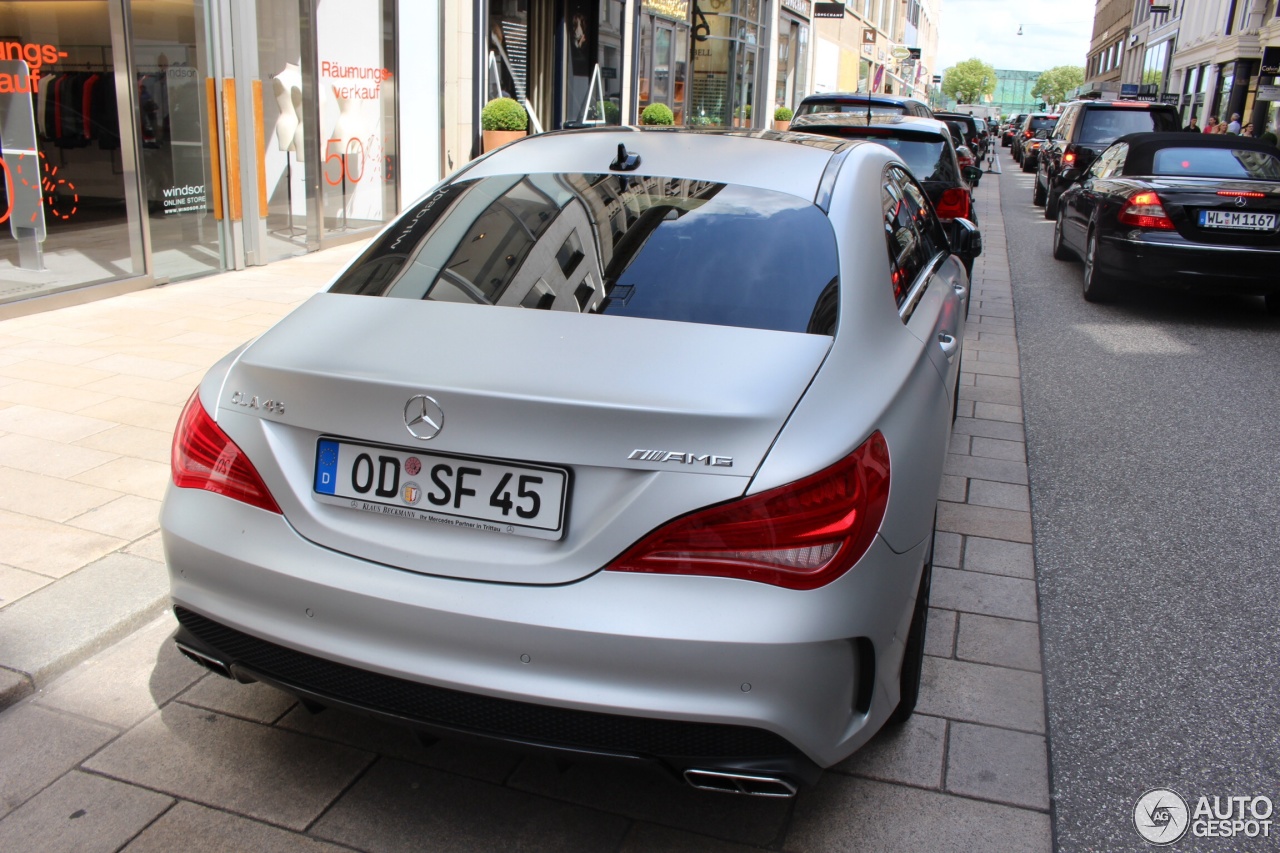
<point x="1053" y="33"/>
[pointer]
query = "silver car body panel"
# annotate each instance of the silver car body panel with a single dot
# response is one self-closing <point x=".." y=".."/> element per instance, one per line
<point x="422" y="604"/>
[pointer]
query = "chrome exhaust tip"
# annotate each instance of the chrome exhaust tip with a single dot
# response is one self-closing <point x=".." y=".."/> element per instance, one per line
<point x="211" y="664"/>
<point x="750" y="784"/>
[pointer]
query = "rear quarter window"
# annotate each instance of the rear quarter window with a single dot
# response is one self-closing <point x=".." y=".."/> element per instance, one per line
<point x="647" y="247"/>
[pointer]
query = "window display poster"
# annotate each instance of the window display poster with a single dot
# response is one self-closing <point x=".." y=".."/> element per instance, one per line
<point x="352" y="84"/>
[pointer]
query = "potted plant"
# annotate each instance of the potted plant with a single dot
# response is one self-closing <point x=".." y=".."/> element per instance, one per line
<point x="657" y="114"/>
<point x="782" y="118"/>
<point x="743" y="118"/>
<point x="502" y="120"/>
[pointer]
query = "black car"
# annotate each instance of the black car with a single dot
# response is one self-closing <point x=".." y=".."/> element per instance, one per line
<point x="1084" y="129"/>
<point x="1176" y="210"/>
<point x="1006" y="135"/>
<point x="975" y="134"/>
<point x="1026" y="133"/>
<point x="855" y="102"/>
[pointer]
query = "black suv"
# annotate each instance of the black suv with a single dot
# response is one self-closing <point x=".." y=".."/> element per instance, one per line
<point x="861" y="102"/>
<point x="975" y="135"/>
<point x="1085" y="129"/>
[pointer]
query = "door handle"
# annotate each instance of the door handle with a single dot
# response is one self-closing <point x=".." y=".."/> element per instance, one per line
<point x="949" y="345"/>
<point x="959" y="289"/>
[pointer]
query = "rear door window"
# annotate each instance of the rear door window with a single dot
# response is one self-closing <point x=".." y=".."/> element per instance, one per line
<point x="651" y="247"/>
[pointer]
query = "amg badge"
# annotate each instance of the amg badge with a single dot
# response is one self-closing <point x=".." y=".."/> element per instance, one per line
<point x="683" y="458"/>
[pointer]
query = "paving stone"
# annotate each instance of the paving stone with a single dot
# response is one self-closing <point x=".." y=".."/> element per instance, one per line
<point x="50" y="630"/>
<point x="994" y="356"/>
<point x="15" y="583"/>
<point x="1000" y="396"/>
<point x="40" y="745"/>
<point x="855" y="815"/>
<point x="990" y="429"/>
<point x="964" y="408"/>
<point x="13" y="686"/>
<point x="398" y="806"/>
<point x="953" y="489"/>
<point x="979" y="693"/>
<point x="129" y="517"/>
<point x="50" y="498"/>
<point x="255" y="770"/>
<point x="463" y="757"/>
<point x="149" y="547"/>
<point x="995" y="370"/>
<point x="1000" y="383"/>
<point x="52" y="458"/>
<point x="998" y="412"/>
<point x="946" y="549"/>
<point x="999" y="495"/>
<point x="996" y="556"/>
<point x="1002" y="642"/>
<point x="976" y="592"/>
<point x="190" y="827"/>
<point x="644" y="793"/>
<point x="81" y="812"/>
<point x="126" y="440"/>
<point x="127" y="682"/>
<point x="910" y="753"/>
<point x="998" y="448"/>
<point x="50" y="424"/>
<point x="981" y="468"/>
<point x="48" y="548"/>
<point x="647" y="838"/>
<point x="940" y="635"/>
<point x="970" y="520"/>
<point x="997" y="764"/>
<point x="959" y="444"/>
<point x="257" y="702"/>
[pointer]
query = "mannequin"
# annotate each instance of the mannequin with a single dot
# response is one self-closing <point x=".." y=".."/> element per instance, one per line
<point x="348" y="124"/>
<point x="287" y="86"/>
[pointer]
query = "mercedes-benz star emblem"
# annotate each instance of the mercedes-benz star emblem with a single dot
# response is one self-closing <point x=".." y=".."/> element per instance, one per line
<point x="1240" y="202"/>
<point x="423" y="417"/>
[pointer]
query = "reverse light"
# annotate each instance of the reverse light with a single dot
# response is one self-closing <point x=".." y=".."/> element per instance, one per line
<point x="799" y="536"/>
<point x="954" y="204"/>
<point x="1144" y="210"/>
<point x="205" y="457"/>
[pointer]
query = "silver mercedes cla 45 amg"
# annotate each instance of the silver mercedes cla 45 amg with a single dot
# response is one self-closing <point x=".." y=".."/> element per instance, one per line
<point x="619" y="442"/>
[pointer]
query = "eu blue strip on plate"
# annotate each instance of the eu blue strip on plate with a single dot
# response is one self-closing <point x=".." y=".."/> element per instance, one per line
<point x="327" y="467"/>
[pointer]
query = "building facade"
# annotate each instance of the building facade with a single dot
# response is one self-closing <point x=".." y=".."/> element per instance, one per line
<point x="1111" y="22"/>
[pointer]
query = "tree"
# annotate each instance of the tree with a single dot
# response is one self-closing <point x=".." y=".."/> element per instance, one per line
<point x="969" y="81"/>
<point x="1053" y="85"/>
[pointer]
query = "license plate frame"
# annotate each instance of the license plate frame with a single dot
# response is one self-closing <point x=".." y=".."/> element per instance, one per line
<point x="465" y="489"/>
<point x="1230" y="220"/>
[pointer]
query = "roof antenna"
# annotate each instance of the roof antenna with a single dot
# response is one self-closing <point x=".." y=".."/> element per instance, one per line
<point x="626" y="162"/>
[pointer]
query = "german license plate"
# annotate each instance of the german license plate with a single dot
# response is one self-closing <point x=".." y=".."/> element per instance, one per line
<point x="458" y="491"/>
<point x="1242" y="219"/>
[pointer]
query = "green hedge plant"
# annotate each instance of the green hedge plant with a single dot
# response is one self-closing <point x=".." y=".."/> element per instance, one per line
<point x="783" y="114"/>
<point x="503" y="114"/>
<point x="657" y="114"/>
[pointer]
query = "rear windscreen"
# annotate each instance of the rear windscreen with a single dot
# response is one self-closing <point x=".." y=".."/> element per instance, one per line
<point x="847" y="107"/>
<point x="653" y="247"/>
<point x="1104" y="126"/>
<point x="1216" y="163"/>
<point x="1042" y="123"/>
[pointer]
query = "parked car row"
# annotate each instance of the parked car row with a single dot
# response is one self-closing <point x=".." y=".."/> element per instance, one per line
<point x="1143" y="204"/>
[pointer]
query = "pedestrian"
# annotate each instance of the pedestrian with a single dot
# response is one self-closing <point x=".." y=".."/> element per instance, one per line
<point x="1211" y="126"/>
<point x="1269" y="135"/>
<point x="1247" y="130"/>
<point x="1193" y="126"/>
<point x="1234" y="126"/>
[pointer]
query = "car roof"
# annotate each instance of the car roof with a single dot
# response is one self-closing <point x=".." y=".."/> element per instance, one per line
<point x="915" y="124"/>
<point x="859" y="97"/>
<point x="792" y="163"/>
<point x="1143" y="146"/>
<point x="1126" y="105"/>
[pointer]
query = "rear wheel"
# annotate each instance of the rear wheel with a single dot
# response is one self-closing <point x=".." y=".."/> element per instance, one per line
<point x="1098" y="286"/>
<point x="1037" y="194"/>
<point x="1060" y="251"/>
<point x="913" y="658"/>
<point x="1026" y="164"/>
<point x="1051" y="204"/>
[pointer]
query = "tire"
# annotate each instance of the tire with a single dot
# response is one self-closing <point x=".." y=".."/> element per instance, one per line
<point x="1098" y="286"/>
<point x="1051" y="204"/>
<point x="1026" y="165"/>
<point x="913" y="657"/>
<point x="1037" y="194"/>
<point x="1060" y="250"/>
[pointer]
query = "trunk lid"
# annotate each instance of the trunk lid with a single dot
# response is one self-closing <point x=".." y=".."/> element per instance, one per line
<point x="647" y="419"/>
<point x="1186" y="199"/>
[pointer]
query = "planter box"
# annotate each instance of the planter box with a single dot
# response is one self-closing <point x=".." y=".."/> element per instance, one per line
<point x="492" y="139"/>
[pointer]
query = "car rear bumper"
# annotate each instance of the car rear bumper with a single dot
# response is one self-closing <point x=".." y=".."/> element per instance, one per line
<point x="697" y="673"/>
<point x="1187" y="266"/>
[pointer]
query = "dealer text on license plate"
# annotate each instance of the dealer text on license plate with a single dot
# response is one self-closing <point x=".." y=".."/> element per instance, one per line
<point x="459" y="491"/>
<point x="1242" y="219"/>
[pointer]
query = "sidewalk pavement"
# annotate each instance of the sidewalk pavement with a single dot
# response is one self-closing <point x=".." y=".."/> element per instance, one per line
<point x="134" y="748"/>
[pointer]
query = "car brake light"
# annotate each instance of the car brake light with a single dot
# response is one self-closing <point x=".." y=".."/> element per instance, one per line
<point x="1241" y="194"/>
<point x="1027" y="134"/>
<point x="1069" y="157"/>
<point x="954" y="204"/>
<point x="799" y="536"/>
<point x="1144" y="210"/>
<point x="205" y="457"/>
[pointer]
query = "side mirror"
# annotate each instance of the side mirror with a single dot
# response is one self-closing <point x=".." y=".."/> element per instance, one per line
<point x="972" y="174"/>
<point x="965" y="238"/>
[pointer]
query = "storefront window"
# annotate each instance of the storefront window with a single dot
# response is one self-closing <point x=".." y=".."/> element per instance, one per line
<point x="726" y="70"/>
<point x="64" y="219"/>
<point x="593" y="85"/>
<point x="663" y="54"/>
<point x="284" y="123"/>
<point x="793" y="59"/>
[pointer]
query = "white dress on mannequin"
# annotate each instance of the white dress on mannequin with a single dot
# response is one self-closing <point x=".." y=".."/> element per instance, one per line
<point x="287" y="86"/>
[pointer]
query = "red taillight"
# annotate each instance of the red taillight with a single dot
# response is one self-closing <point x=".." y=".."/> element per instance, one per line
<point x="800" y="536"/>
<point x="1241" y="194"/>
<point x="1069" y="158"/>
<point x="1027" y="134"/>
<point x="1144" y="210"/>
<point x="954" y="204"/>
<point x="205" y="457"/>
<point x="963" y="160"/>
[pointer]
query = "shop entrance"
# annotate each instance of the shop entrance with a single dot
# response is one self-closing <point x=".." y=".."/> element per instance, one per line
<point x="664" y="59"/>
